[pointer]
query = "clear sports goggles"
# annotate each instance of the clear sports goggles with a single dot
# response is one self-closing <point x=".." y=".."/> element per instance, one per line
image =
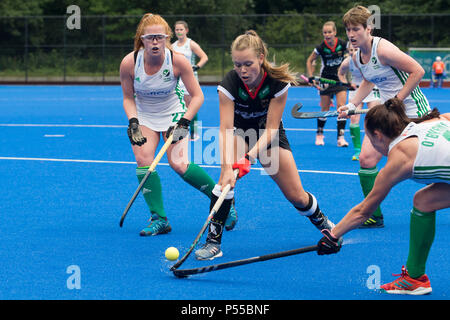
<point x="151" y="37"/>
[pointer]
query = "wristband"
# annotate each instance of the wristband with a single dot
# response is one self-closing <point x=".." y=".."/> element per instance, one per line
<point x="183" y="122"/>
<point x="133" y="120"/>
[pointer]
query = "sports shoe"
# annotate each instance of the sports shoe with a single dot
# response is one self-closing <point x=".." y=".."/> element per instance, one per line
<point x="232" y="218"/>
<point x="321" y="222"/>
<point x="407" y="285"/>
<point x="319" y="140"/>
<point x="355" y="157"/>
<point x="341" y="142"/>
<point x="157" y="226"/>
<point x="373" y="222"/>
<point x="209" y="251"/>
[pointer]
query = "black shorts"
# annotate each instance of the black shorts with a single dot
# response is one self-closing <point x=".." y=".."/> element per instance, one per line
<point x="253" y="133"/>
<point x="332" y="90"/>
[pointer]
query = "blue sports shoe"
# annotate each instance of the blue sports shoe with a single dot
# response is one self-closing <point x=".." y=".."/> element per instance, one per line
<point x="158" y="225"/>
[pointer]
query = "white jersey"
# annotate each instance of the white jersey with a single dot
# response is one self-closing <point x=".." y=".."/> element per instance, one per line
<point x="390" y="81"/>
<point x="357" y="78"/>
<point x="432" y="162"/>
<point x="186" y="50"/>
<point x="158" y="97"/>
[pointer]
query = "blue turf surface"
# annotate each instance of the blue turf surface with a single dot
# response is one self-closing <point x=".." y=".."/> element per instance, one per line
<point x="68" y="172"/>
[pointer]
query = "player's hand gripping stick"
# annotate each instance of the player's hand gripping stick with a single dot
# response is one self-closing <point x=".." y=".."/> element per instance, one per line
<point x="328" y="244"/>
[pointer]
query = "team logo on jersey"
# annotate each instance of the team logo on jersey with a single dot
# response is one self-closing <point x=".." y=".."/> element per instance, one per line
<point x="264" y="92"/>
<point x="166" y="75"/>
<point x="374" y="60"/>
<point x="242" y="94"/>
<point x="137" y="79"/>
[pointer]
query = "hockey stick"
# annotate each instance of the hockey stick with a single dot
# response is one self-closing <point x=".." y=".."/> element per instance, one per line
<point x="147" y="174"/>
<point x="321" y="114"/>
<point x="328" y="81"/>
<point x="187" y="272"/>
<point x="214" y="209"/>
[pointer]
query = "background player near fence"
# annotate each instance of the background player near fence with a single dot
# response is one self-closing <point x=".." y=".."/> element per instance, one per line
<point x="331" y="51"/>
<point x="395" y="73"/>
<point x="190" y="49"/>
<point x="415" y="151"/>
<point x="437" y="73"/>
<point x="153" y="103"/>
<point x="252" y="98"/>
<point x="348" y="68"/>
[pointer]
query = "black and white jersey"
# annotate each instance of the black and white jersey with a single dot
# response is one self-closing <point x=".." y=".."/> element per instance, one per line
<point x="332" y="58"/>
<point x="250" y="108"/>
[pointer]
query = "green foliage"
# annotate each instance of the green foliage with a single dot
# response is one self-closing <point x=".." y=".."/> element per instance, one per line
<point x="34" y="39"/>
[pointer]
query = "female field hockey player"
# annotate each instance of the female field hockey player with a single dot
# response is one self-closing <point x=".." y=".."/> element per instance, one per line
<point x="331" y="51"/>
<point x="373" y="99"/>
<point x="394" y="73"/>
<point x="252" y="98"/>
<point x="154" y="105"/>
<point x="189" y="48"/>
<point x="417" y="149"/>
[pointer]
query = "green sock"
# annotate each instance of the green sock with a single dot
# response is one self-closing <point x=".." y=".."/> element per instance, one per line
<point x="355" y="133"/>
<point x="367" y="179"/>
<point x="199" y="179"/>
<point x="152" y="191"/>
<point x="422" y="230"/>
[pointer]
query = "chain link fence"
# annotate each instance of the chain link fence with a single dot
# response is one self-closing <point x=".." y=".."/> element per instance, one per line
<point x="42" y="49"/>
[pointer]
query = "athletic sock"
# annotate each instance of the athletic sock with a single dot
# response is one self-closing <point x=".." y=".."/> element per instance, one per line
<point x="199" y="179"/>
<point x="321" y="124"/>
<point x="219" y="218"/>
<point x="421" y="237"/>
<point x="152" y="191"/>
<point x="312" y="210"/>
<point x="341" y="127"/>
<point x="367" y="179"/>
<point x="355" y="133"/>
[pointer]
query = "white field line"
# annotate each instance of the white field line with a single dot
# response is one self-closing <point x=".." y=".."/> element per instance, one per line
<point x="122" y="126"/>
<point x="160" y="164"/>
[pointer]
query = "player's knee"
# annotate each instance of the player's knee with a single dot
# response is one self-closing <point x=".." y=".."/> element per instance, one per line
<point x="142" y="160"/>
<point x="367" y="160"/>
<point x="421" y="201"/>
<point x="178" y="166"/>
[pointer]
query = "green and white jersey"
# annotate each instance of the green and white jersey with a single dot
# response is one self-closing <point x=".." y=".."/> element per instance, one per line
<point x="432" y="162"/>
<point x="186" y="50"/>
<point x="158" y="94"/>
<point x="357" y="78"/>
<point x="390" y="81"/>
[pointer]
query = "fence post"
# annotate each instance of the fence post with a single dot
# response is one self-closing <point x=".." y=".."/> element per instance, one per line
<point x="103" y="48"/>
<point x="432" y="30"/>
<point x="64" y="47"/>
<point x="26" y="50"/>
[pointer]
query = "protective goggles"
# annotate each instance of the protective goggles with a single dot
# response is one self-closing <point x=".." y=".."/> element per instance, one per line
<point x="152" y="37"/>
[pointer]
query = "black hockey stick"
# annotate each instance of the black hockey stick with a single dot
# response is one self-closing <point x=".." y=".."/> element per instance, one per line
<point x="328" y="81"/>
<point x="147" y="174"/>
<point x="187" y="272"/>
<point x="320" y="114"/>
<point x="215" y="208"/>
